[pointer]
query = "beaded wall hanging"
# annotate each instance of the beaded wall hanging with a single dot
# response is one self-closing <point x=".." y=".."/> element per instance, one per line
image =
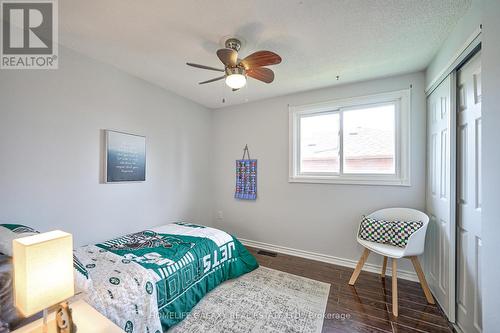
<point x="246" y="177"/>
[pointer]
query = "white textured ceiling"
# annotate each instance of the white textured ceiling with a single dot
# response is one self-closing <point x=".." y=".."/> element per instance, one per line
<point x="317" y="39"/>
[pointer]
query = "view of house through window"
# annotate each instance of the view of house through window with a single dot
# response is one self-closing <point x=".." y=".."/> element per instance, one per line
<point x="319" y="144"/>
<point x="369" y="140"/>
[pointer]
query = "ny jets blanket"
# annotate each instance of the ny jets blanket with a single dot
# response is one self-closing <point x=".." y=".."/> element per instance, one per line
<point x="150" y="280"/>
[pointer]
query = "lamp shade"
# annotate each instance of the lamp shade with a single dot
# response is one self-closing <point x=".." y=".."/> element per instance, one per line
<point x="43" y="270"/>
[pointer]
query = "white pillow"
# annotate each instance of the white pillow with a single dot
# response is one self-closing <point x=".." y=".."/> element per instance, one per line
<point x="9" y="232"/>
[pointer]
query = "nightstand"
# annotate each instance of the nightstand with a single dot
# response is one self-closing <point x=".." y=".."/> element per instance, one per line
<point x="85" y="317"/>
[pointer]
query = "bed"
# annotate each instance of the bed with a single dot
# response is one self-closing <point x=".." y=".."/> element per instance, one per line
<point x="150" y="280"/>
<point x="146" y="281"/>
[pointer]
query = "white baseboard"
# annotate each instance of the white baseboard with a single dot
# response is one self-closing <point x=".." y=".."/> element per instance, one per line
<point x="406" y="275"/>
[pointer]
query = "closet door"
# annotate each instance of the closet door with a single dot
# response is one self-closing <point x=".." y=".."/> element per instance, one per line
<point x="439" y="256"/>
<point x="469" y="314"/>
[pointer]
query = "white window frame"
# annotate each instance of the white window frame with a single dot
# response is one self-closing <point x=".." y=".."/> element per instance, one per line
<point x="401" y="177"/>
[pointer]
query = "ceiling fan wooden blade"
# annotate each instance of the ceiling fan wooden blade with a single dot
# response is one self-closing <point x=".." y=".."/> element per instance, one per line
<point x="229" y="57"/>
<point x="261" y="58"/>
<point x="213" y="80"/>
<point x="262" y="74"/>
<point x="204" y="67"/>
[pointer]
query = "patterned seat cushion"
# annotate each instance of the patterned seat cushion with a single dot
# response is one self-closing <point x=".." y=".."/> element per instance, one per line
<point x="394" y="233"/>
<point x="402" y="230"/>
<point x="373" y="230"/>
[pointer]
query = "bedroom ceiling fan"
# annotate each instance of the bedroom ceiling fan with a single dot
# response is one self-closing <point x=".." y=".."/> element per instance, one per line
<point x="237" y="70"/>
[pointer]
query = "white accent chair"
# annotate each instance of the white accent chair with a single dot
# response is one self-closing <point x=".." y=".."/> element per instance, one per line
<point x="414" y="247"/>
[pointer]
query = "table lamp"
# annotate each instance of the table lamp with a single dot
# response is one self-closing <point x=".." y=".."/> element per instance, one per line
<point x="43" y="273"/>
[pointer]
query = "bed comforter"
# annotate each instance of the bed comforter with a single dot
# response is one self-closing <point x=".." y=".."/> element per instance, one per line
<point x="150" y="280"/>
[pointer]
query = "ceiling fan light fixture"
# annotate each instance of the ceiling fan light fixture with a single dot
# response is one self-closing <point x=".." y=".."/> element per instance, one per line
<point x="236" y="70"/>
<point x="236" y="81"/>
<point x="236" y="78"/>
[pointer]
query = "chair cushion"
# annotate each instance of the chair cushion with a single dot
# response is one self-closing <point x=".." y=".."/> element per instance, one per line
<point x="373" y="230"/>
<point x="395" y="233"/>
<point x="402" y="230"/>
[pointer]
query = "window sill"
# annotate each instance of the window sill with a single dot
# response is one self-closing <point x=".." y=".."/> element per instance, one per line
<point x="349" y="181"/>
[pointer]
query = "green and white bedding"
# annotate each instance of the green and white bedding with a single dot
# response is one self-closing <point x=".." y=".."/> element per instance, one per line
<point x="150" y="280"/>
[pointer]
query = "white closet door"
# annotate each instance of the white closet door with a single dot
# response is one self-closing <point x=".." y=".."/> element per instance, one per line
<point x="439" y="254"/>
<point x="469" y="312"/>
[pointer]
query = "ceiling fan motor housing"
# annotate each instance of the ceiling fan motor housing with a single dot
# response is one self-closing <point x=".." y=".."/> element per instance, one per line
<point x="235" y="70"/>
<point x="233" y="43"/>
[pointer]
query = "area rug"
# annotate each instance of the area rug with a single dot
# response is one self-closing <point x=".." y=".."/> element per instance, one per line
<point x="265" y="300"/>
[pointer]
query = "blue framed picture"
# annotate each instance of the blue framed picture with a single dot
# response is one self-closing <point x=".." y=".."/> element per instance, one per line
<point x="125" y="157"/>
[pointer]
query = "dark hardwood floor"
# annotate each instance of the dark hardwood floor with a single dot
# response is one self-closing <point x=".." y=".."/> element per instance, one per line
<point x="365" y="307"/>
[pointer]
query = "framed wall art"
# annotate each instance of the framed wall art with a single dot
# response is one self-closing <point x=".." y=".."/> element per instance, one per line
<point x="125" y="159"/>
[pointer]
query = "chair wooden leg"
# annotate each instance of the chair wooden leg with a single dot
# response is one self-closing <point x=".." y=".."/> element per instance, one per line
<point x="359" y="266"/>
<point x="384" y="267"/>
<point x="423" y="282"/>
<point x="394" y="287"/>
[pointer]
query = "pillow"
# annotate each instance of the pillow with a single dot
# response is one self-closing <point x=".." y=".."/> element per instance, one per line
<point x="82" y="278"/>
<point x="394" y="233"/>
<point x="373" y="230"/>
<point x="402" y="230"/>
<point x="9" y="232"/>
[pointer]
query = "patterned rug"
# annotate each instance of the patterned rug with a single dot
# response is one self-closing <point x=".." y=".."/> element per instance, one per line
<point x="265" y="300"/>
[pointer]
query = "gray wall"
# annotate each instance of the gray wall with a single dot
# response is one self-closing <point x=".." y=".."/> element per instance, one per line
<point x="322" y="218"/>
<point x="50" y="146"/>
<point x="491" y="164"/>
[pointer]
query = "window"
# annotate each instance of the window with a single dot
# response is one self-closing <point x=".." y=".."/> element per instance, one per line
<point x="370" y="140"/>
<point x="362" y="140"/>
<point x="319" y="144"/>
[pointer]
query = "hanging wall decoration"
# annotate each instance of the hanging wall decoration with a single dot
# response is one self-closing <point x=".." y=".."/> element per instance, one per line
<point x="246" y="177"/>
<point x="125" y="157"/>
